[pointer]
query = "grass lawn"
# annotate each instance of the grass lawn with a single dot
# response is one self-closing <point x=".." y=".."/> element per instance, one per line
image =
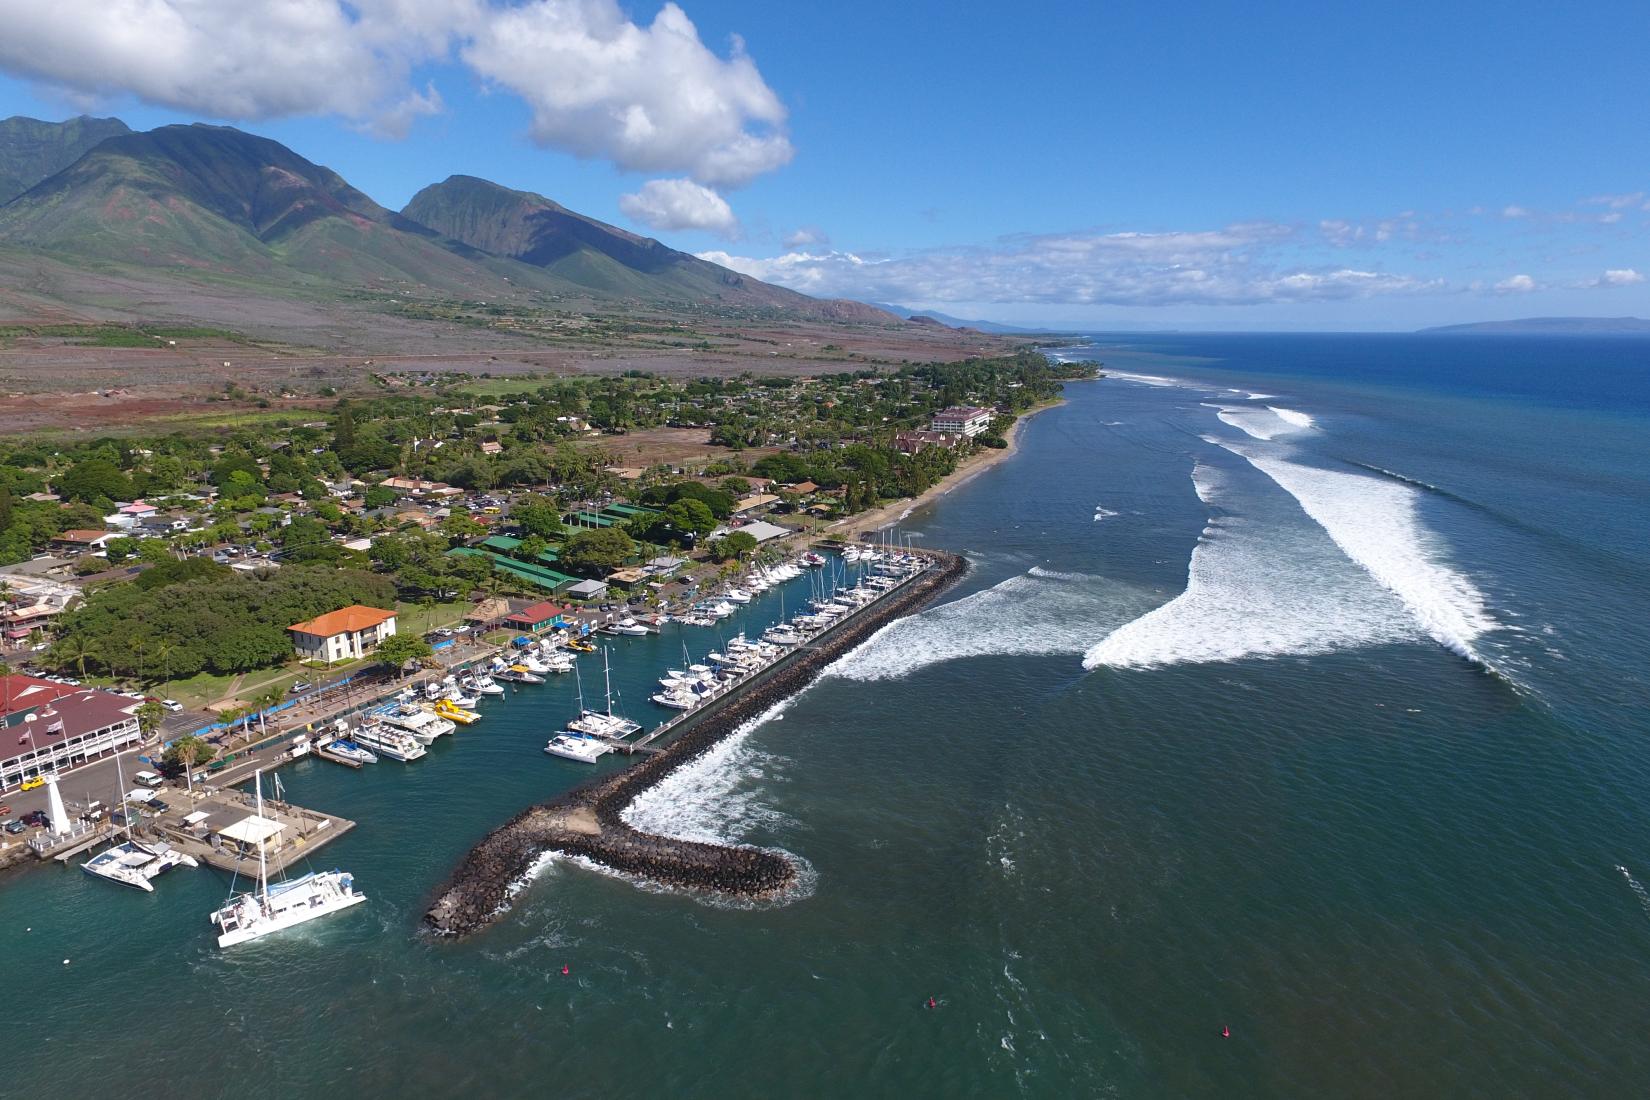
<point x="415" y="619"/>
<point x="196" y="691"/>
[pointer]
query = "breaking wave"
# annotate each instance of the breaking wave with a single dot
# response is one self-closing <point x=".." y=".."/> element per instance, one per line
<point x="1145" y="379"/>
<point x="1264" y="423"/>
<point x="714" y="799"/>
<point x="1039" y="611"/>
<point x="1375" y="522"/>
<point x="1258" y="585"/>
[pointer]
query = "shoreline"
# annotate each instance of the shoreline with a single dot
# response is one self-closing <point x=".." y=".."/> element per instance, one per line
<point x="887" y="515"/>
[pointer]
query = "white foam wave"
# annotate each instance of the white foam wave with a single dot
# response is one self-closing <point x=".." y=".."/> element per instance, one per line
<point x="714" y="799"/>
<point x="1265" y="584"/>
<point x="1375" y="522"/>
<point x="1263" y="423"/>
<point x="1102" y="512"/>
<point x="1146" y="379"/>
<point x="1039" y="611"/>
<point x="1262" y="397"/>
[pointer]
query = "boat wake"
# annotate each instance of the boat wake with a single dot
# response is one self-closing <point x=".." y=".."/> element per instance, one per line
<point x="1101" y="512"/>
<point x="1638" y="889"/>
<point x="1261" y="583"/>
<point x="1036" y="612"/>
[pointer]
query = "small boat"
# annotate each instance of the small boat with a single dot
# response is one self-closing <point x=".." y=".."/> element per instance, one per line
<point x="558" y="662"/>
<point x="737" y="595"/>
<point x="678" y="699"/>
<point x="628" y="627"/>
<point x="581" y="646"/>
<point x="349" y="750"/>
<point x="482" y="684"/>
<point x="443" y="708"/>
<point x="518" y="674"/>
<point x="577" y="746"/>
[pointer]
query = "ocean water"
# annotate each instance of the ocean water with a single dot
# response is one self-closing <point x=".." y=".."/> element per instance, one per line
<point x="1299" y="689"/>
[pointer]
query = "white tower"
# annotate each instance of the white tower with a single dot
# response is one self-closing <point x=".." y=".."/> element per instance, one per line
<point x="54" y="802"/>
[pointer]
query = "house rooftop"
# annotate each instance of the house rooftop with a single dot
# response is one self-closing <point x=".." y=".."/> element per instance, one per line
<point x="343" y="621"/>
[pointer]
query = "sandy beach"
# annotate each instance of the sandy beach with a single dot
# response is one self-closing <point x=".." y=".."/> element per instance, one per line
<point x="867" y="523"/>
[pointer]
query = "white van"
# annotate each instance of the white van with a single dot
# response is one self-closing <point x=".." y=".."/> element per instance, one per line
<point x="148" y="779"/>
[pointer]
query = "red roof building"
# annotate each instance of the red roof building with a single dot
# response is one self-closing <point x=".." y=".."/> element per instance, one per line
<point x="47" y="727"/>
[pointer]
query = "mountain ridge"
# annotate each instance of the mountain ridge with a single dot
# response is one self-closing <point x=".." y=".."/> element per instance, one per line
<point x="32" y="150"/>
<point x="1554" y="325"/>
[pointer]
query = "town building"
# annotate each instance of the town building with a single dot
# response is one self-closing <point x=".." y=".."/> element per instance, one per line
<point x="534" y="618"/>
<point x="910" y="443"/>
<point x="588" y="590"/>
<point x="47" y="727"/>
<point x="84" y="539"/>
<point x="342" y="635"/>
<point x="966" y="420"/>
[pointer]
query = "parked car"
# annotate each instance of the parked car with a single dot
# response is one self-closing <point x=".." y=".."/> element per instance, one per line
<point x="156" y="806"/>
<point x="301" y="685"/>
<point x="15" y="827"/>
<point x="148" y="779"/>
<point x="34" y="783"/>
<point x="172" y="705"/>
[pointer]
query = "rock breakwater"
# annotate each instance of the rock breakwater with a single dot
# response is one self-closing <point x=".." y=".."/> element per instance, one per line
<point x="587" y="821"/>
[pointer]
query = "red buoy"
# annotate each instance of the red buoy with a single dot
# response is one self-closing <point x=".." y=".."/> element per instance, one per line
<point x="564" y="969"/>
<point x="1225" y="1032"/>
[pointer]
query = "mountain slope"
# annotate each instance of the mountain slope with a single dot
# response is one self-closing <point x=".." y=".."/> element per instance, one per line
<point x="604" y="258"/>
<point x="32" y="150"/>
<point x="1554" y="325"/>
<point x="214" y="200"/>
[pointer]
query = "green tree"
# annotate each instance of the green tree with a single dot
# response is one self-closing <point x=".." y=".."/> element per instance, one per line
<point x="732" y="545"/>
<point x="187" y="752"/>
<point x="597" y="552"/>
<point x="460" y="525"/>
<point x="398" y="649"/>
<point x="380" y="497"/>
<point x="537" y="516"/>
<point x="690" y="517"/>
<point x="95" y="479"/>
<point x="5" y="506"/>
<point x="149" y="716"/>
<point x="343" y="429"/>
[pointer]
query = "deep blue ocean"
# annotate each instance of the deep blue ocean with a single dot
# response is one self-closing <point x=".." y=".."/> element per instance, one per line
<point x="1300" y="688"/>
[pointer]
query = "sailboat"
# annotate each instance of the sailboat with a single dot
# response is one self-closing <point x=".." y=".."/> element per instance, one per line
<point x="602" y="724"/>
<point x="135" y="863"/>
<point x="272" y="909"/>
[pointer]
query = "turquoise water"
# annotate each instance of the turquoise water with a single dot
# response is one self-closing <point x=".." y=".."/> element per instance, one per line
<point x="1226" y="728"/>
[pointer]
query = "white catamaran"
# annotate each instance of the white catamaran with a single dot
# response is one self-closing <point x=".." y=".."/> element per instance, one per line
<point x="275" y="908"/>
<point x="134" y="863"/>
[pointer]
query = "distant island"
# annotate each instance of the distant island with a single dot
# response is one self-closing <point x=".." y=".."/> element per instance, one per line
<point x="1548" y="325"/>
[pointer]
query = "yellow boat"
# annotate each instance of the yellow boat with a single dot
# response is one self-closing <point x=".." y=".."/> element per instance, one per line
<point x="581" y="646"/>
<point x="446" y="708"/>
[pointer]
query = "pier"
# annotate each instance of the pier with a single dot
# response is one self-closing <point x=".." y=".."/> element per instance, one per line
<point x="588" y="820"/>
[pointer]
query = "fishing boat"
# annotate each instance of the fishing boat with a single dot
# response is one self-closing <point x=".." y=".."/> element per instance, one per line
<point x="558" y="662"/>
<point x="628" y="627"/>
<point x="737" y="595"/>
<point x="267" y="910"/>
<point x="577" y="746"/>
<point x="519" y="674"/>
<point x="481" y="684"/>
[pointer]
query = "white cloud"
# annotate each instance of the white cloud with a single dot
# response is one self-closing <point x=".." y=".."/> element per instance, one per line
<point x="680" y="204"/>
<point x="648" y="98"/>
<point x="803" y="236"/>
<point x="1618" y="202"/>
<point x="1515" y="284"/>
<point x="1514" y="212"/>
<point x="1618" y="276"/>
<point x="1230" y="266"/>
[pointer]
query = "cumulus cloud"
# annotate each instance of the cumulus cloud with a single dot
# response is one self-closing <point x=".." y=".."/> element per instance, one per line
<point x="1231" y="266"/>
<point x="1515" y="284"/>
<point x="1618" y="276"/>
<point x="650" y="98"/>
<point x="680" y="204"/>
<point x="1514" y="212"/>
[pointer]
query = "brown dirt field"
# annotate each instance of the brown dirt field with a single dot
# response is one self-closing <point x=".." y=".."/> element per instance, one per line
<point x="675" y="446"/>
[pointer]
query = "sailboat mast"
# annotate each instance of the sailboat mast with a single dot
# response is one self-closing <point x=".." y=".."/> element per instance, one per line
<point x="263" y="867"/>
<point x="607" y="676"/>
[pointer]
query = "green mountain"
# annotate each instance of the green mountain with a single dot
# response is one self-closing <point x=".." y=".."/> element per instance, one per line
<point x="602" y="258"/>
<point x="210" y="204"/>
<point x="214" y="201"/>
<point x="31" y="150"/>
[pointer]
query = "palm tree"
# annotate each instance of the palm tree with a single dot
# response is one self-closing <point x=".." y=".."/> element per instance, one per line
<point x="71" y="649"/>
<point x="164" y="650"/>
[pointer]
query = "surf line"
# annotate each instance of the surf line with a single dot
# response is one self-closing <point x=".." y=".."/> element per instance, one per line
<point x="588" y="820"/>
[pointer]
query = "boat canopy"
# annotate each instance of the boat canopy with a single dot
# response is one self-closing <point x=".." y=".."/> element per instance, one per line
<point x="251" y="829"/>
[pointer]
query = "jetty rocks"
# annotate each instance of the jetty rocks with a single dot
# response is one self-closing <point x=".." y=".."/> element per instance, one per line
<point x="587" y="821"/>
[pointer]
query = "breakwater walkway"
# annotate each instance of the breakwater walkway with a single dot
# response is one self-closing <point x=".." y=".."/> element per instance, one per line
<point x="587" y="821"/>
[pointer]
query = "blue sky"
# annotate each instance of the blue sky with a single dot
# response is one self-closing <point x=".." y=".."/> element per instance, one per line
<point x="1211" y="165"/>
